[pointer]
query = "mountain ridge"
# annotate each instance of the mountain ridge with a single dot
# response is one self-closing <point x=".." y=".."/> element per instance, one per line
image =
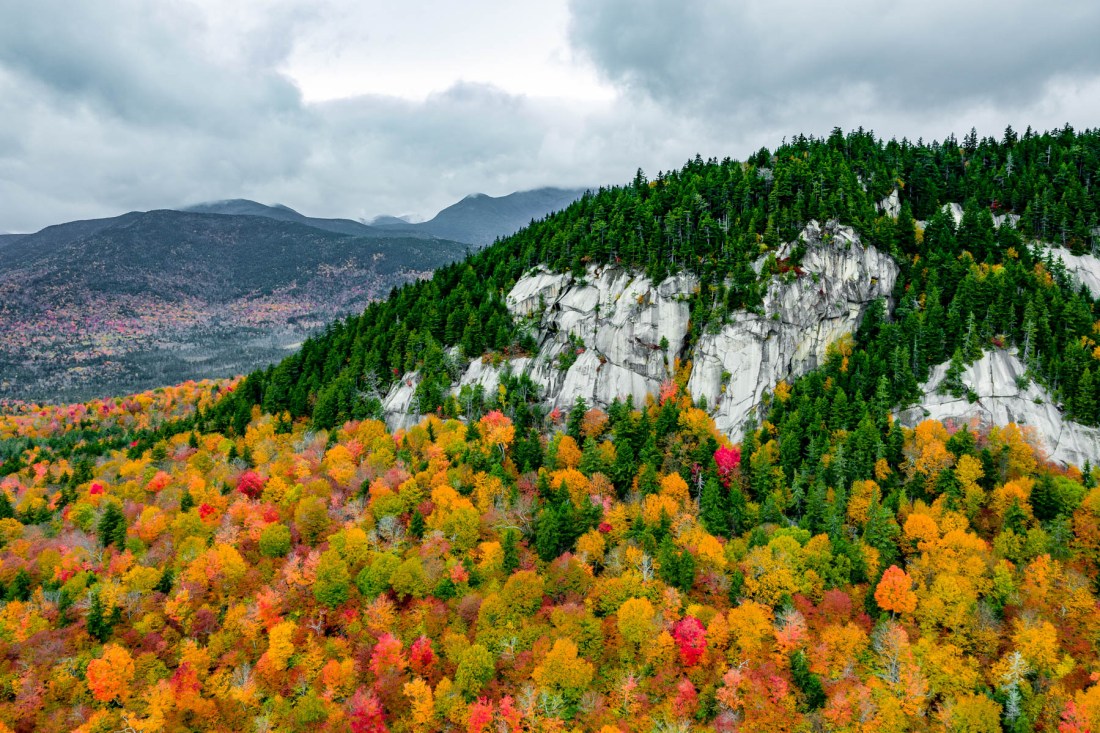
<point x="128" y="302"/>
<point x="247" y="207"/>
<point x="481" y="219"/>
<point x="684" y="221"/>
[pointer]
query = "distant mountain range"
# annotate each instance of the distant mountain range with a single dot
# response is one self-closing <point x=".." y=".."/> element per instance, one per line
<point x="480" y="219"/>
<point x="109" y="306"/>
<point x="114" y="305"/>
<point x="244" y="207"/>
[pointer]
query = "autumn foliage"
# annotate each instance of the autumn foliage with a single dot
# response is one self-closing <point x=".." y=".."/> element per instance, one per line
<point x="420" y="581"/>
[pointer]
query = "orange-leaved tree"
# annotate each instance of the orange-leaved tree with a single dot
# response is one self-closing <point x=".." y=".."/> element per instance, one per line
<point x="895" y="591"/>
<point x="109" y="676"/>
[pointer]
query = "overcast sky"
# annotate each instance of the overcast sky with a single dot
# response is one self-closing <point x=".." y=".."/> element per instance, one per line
<point x="357" y="107"/>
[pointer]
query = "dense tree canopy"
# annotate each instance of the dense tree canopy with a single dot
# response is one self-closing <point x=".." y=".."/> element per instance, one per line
<point x="977" y="284"/>
<point x="262" y="554"/>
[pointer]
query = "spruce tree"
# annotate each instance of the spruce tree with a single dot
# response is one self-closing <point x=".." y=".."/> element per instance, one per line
<point x="547" y="535"/>
<point x="952" y="383"/>
<point x="99" y="625"/>
<point x="714" y="508"/>
<point x="1084" y="406"/>
<point x="111" y="528"/>
<point x="511" y="551"/>
<point x="416" y="524"/>
<point x="807" y="681"/>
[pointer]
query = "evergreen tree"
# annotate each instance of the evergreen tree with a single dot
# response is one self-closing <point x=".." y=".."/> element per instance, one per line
<point x="167" y="578"/>
<point x="808" y="682"/>
<point x="111" y="528"/>
<point x="416" y="524"/>
<point x="816" y="514"/>
<point x="20" y="587"/>
<point x="1085" y="404"/>
<point x="548" y="535"/>
<point x="511" y="551"/>
<point x="676" y="567"/>
<point x="98" y="624"/>
<point x="952" y="383"/>
<point x="576" y="419"/>
<point x="714" y="508"/>
<point x="591" y="461"/>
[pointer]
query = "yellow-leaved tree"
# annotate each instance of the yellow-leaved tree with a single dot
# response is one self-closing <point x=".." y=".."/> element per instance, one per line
<point x="562" y="670"/>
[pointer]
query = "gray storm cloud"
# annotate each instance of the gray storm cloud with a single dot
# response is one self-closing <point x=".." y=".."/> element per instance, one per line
<point x="120" y="104"/>
<point x="753" y="55"/>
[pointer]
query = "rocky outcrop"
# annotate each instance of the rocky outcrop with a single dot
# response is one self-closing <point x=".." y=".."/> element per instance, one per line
<point x="399" y="405"/>
<point x="999" y="393"/>
<point x="956" y="212"/>
<point x="609" y="334"/>
<point x="801" y="316"/>
<point x="891" y="205"/>
<point x="1085" y="269"/>
<point x="612" y="333"/>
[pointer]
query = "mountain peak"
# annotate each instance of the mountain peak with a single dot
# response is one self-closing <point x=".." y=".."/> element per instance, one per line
<point x="479" y="218"/>
<point x="239" y="207"/>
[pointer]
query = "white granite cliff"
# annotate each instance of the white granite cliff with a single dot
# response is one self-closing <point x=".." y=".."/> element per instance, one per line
<point x="1084" y="269"/>
<point x="802" y="316"/>
<point x="612" y="333"/>
<point x="632" y="330"/>
<point x="1002" y="394"/>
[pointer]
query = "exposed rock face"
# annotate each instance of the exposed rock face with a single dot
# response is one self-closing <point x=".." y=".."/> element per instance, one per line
<point x="734" y="367"/>
<point x="1085" y="268"/>
<point x="996" y="379"/>
<point x="399" y="404"/>
<point x="623" y="332"/>
<point x="617" y="320"/>
<point x="611" y="324"/>
<point x="956" y="212"/>
<point x="891" y="205"/>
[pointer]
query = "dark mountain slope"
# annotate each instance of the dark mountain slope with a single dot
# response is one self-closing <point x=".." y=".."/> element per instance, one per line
<point x="115" y="305"/>
<point x="477" y="219"/>
<point x="57" y="236"/>
<point x="244" y="207"/>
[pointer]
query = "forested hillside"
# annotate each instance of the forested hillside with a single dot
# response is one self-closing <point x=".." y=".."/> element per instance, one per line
<point x="110" y="306"/>
<point x="961" y="288"/>
<point x="264" y="554"/>
<point x="649" y="576"/>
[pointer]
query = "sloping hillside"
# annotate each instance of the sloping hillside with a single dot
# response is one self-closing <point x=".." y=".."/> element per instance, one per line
<point x="111" y="306"/>
<point x="666" y="461"/>
<point x="959" y="278"/>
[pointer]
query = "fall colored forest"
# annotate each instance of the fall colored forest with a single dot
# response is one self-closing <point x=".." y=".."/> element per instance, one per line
<point x="297" y="579"/>
<point x="261" y="554"/>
